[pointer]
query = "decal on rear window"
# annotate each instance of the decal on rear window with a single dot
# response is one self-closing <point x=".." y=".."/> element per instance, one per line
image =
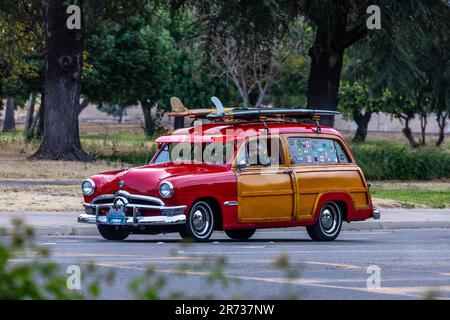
<point x="315" y="151"/>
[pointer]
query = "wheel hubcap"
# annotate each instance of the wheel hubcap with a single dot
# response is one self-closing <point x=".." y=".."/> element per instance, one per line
<point x="329" y="219"/>
<point x="201" y="220"/>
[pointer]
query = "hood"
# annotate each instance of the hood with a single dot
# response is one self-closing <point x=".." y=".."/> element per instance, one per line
<point x="145" y="179"/>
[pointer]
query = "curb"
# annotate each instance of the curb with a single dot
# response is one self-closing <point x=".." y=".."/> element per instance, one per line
<point x="378" y="225"/>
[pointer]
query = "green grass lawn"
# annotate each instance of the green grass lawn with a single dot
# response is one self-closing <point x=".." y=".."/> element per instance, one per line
<point x="410" y="195"/>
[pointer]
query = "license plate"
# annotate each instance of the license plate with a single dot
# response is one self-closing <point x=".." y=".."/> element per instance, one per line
<point x="116" y="217"/>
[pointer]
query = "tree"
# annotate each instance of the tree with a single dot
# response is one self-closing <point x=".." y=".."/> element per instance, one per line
<point x="357" y="101"/>
<point x="256" y="68"/>
<point x="64" y="64"/>
<point x="412" y="67"/>
<point x="338" y="26"/>
<point x="10" y="123"/>
<point x="21" y="41"/>
<point x="128" y="63"/>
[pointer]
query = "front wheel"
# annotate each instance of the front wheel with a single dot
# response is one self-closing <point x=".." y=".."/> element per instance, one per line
<point x="240" y="234"/>
<point x="113" y="232"/>
<point x="328" y="223"/>
<point x="199" y="223"/>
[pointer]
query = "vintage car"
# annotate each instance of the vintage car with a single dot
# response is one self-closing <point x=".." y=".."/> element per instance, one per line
<point x="235" y="175"/>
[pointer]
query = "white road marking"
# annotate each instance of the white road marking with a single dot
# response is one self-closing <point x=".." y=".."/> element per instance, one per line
<point x="415" y="291"/>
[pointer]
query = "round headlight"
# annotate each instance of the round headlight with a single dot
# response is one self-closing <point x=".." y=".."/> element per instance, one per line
<point x="166" y="189"/>
<point x="88" y="187"/>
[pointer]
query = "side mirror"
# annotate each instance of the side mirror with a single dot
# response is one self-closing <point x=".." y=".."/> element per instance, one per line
<point x="241" y="164"/>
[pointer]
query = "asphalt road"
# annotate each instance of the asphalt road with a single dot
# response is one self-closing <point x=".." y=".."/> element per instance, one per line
<point x="413" y="263"/>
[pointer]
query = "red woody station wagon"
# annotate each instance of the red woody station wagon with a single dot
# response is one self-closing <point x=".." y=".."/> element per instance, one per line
<point x="245" y="170"/>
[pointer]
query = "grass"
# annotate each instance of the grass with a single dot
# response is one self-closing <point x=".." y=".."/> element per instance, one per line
<point x="131" y="148"/>
<point x="113" y="151"/>
<point x="414" y="194"/>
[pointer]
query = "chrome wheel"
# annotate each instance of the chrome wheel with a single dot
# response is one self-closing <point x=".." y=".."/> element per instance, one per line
<point x="328" y="223"/>
<point x="330" y="218"/>
<point x="201" y="220"/>
<point x="200" y="224"/>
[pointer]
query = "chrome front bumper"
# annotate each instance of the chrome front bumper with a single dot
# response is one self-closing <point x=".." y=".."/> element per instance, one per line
<point x="138" y="221"/>
<point x="170" y="215"/>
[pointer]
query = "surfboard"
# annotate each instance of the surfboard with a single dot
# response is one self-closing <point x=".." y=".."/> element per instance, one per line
<point x="179" y="110"/>
<point x="219" y="113"/>
<point x="260" y="114"/>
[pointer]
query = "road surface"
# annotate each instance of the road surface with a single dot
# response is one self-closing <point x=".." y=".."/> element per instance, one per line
<point x="412" y="264"/>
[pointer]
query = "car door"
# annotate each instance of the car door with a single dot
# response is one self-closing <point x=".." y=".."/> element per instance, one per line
<point x="264" y="183"/>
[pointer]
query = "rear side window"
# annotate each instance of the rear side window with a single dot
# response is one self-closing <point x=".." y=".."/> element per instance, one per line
<point x="315" y="151"/>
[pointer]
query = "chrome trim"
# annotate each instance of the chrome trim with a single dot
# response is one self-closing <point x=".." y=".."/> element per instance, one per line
<point x="376" y="214"/>
<point x="136" y="220"/>
<point x="138" y="206"/>
<point x="128" y="195"/>
<point x="230" y="203"/>
<point x="103" y="196"/>
<point x="169" y="214"/>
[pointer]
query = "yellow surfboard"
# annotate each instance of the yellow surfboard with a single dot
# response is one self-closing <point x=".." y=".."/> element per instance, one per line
<point x="179" y="110"/>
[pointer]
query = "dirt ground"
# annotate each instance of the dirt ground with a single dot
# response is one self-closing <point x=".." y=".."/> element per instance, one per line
<point x="40" y="198"/>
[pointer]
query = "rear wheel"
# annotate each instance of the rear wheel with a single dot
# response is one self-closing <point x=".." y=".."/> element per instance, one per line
<point x="240" y="234"/>
<point x="113" y="232"/>
<point x="328" y="223"/>
<point x="199" y="223"/>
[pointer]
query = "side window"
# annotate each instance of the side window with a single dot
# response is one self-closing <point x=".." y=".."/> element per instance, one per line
<point x="340" y="152"/>
<point x="261" y="152"/>
<point x="315" y="151"/>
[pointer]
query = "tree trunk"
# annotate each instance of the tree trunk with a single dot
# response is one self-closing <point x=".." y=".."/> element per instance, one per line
<point x="40" y="119"/>
<point x="441" y="120"/>
<point x="326" y="66"/>
<point x="10" y="122"/>
<point x="64" y="47"/>
<point x="423" y="128"/>
<point x="362" y="120"/>
<point x="149" y="123"/>
<point x="262" y="95"/>
<point x="327" y="52"/>
<point x="408" y="134"/>
<point x="30" y="113"/>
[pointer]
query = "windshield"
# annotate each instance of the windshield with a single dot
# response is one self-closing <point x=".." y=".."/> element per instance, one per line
<point x="218" y="153"/>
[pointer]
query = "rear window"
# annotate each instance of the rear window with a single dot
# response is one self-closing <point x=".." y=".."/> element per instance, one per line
<point x="315" y="151"/>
